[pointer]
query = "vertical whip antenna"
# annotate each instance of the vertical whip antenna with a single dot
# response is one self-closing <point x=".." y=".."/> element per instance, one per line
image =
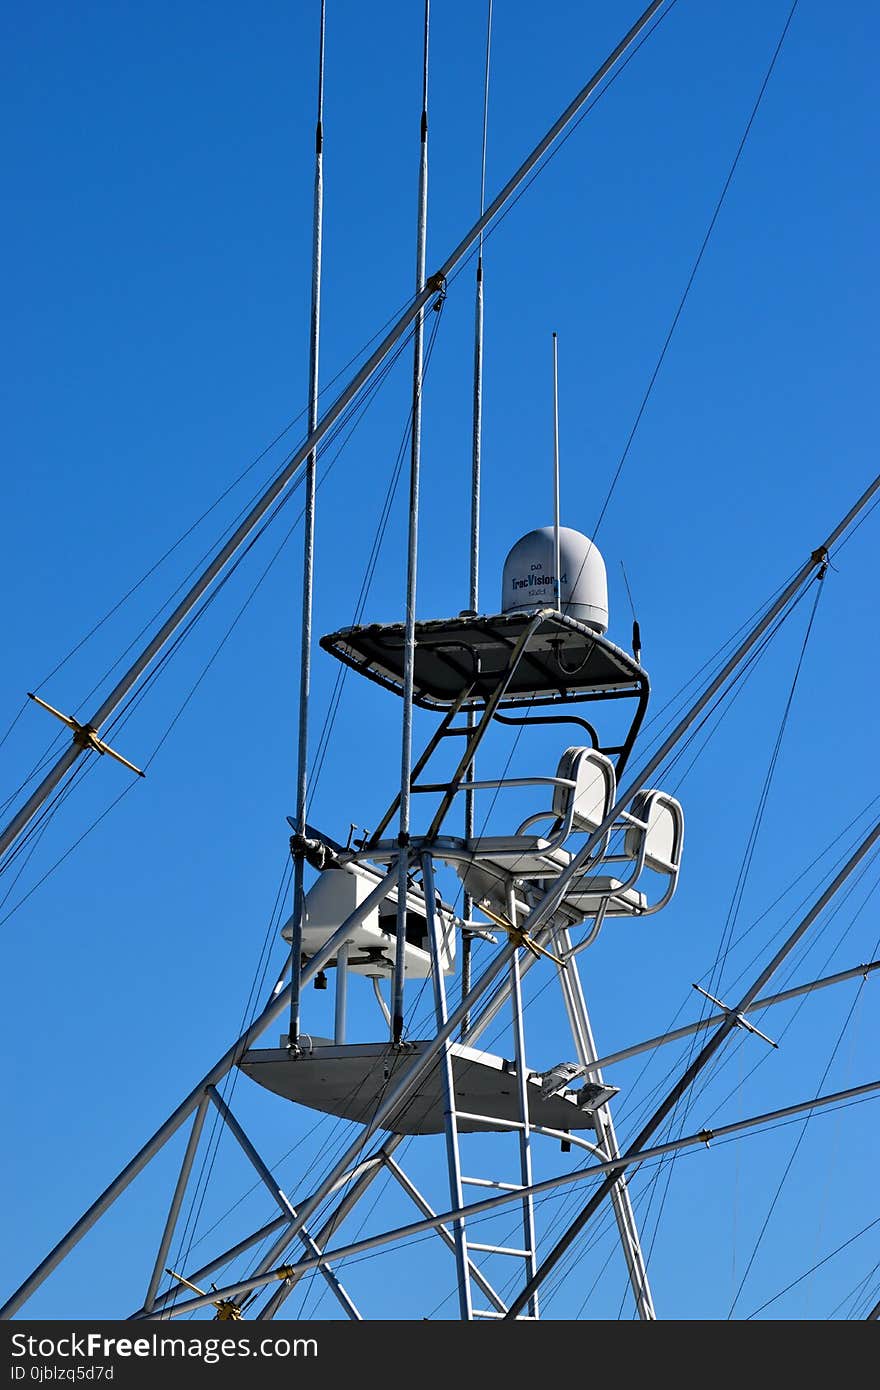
<point x="478" y="347"/>
<point x="476" y="459"/>
<point x="557" y="580"/>
<point x="637" y="635"/>
<point x="397" y="979"/>
<point x="302" y="782"/>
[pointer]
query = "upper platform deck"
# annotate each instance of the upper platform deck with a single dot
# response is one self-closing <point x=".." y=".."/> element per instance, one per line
<point x="562" y="660"/>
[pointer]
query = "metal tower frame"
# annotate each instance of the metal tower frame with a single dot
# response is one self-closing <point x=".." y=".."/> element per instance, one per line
<point x="355" y="1170"/>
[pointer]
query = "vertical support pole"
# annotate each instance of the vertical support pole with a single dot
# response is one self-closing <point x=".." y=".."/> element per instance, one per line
<point x="444" y="1064"/>
<point x="525" y="1150"/>
<point x="176" y="1201"/>
<point x="341" y="994"/>
<point x="557" y="582"/>
<point x="582" y="1033"/>
<point x="474" y="597"/>
<point x="308" y="562"/>
<point x="411" y="564"/>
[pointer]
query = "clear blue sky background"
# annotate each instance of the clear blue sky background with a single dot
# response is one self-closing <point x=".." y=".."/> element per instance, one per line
<point x="157" y="239"/>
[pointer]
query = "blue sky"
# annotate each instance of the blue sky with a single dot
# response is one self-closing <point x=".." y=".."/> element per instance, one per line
<point x="157" y="237"/>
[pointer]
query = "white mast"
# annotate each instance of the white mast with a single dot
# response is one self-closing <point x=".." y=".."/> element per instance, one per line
<point x="557" y="567"/>
<point x="476" y="464"/>
<point x="308" y="555"/>
<point x="412" y="558"/>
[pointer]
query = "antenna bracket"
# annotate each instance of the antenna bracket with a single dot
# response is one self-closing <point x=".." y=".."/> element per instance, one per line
<point x="86" y="735"/>
<point x="739" y="1019"/>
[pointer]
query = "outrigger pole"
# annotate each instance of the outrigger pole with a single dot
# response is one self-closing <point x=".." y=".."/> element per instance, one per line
<point x="433" y="286"/>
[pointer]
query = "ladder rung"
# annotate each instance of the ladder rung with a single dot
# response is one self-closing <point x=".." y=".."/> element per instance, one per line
<point x="490" y="1182"/>
<point x="500" y="1250"/>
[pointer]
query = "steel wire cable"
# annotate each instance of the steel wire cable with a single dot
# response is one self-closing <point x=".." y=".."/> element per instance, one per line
<point x="209" y="1155"/>
<point x="121" y="716"/>
<point x="795" y="1150"/>
<point x="721" y="1063"/>
<point x="220" y="498"/>
<point x="790" y="1022"/>
<point x="356" y="409"/>
<point x="654" y="1176"/>
<point x="818" y="1265"/>
<point x="682" y="1111"/>
<point x="370" y="570"/>
<point x="696" y="266"/>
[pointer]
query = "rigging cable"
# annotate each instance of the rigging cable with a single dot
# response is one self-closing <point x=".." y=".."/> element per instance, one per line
<point x="361" y="352"/>
<point x="794" y="1153"/>
<point x="748" y="856"/>
<point x="804" y="998"/>
<point x="562" y="140"/>
<point x="369" y="573"/>
<point x="674" y="1067"/>
<point x="818" y="1265"/>
<point x="218" y="1126"/>
<point x="695" y="268"/>
<point x="682" y="1112"/>
<point x="706" y="1054"/>
<point x="121" y="716"/>
<point x="352" y="417"/>
<point x="720" y="1064"/>
<point x="48" y="755"/>
<point x="683" y="300"/>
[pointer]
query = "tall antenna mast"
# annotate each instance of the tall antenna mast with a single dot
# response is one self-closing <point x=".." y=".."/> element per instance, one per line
<point x="478" y="350"/>
<point x="412" y="560"/>
<point x="469" y="796"/>
<point x="308" y="560"/>
<point x="557" y="580"/>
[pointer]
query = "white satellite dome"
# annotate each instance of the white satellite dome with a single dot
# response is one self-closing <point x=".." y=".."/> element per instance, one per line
<point x="530" y="576"/>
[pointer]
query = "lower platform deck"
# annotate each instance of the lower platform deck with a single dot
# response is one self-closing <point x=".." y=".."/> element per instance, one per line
<point x="351" y="1080"/>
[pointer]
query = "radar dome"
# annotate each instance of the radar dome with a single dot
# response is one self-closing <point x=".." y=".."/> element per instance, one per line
<point x="530" y="576"/>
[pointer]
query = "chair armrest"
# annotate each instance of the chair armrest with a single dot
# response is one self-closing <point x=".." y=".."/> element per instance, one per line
<point x="510" y="782"/>
<point x="539" y="815"/>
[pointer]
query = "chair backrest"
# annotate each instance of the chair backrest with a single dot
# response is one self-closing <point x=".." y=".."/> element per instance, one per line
<point x="594" y="789"/>
<point x="664" y="836"/>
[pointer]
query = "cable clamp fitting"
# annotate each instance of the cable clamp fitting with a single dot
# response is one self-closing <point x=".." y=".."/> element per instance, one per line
<point x="739" y="1019"/>
<point x="518" y="936"/>
<point x="315" y="852"/>
<point x="227" y="1309"/>
<point x="85" y="735"/>
<point x="437" y="285"/>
